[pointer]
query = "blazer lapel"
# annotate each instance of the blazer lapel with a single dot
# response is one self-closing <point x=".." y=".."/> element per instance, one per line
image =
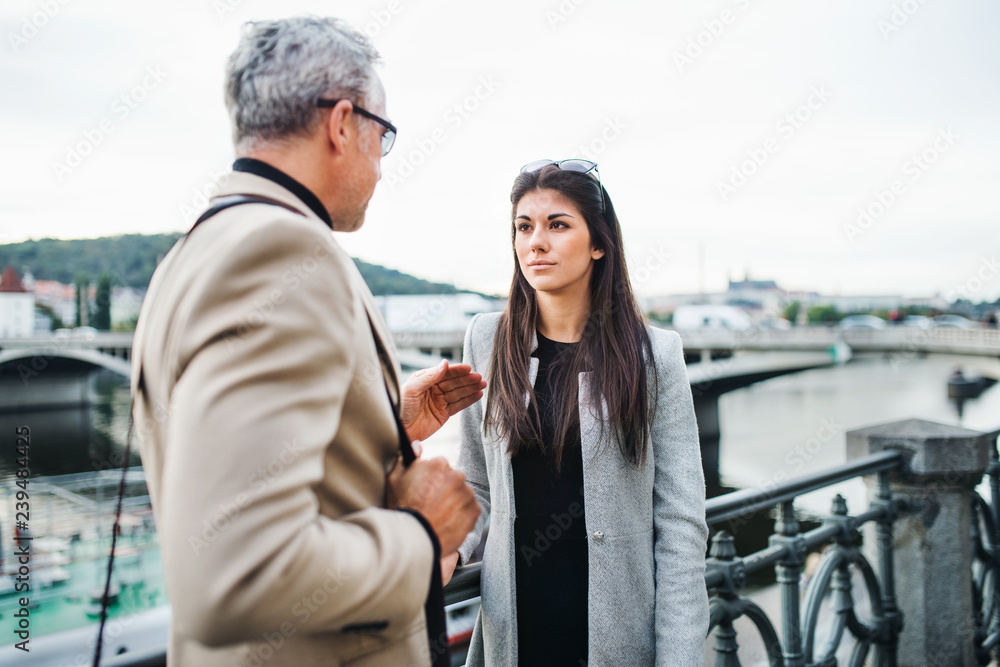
<point x="590" y="426"/>
<point x="382" y="338"/>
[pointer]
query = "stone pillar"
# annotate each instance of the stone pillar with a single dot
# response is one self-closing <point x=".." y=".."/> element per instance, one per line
<point x="932" y="538"/>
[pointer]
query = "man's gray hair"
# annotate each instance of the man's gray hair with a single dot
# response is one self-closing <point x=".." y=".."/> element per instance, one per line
<point x="281" y="67"/>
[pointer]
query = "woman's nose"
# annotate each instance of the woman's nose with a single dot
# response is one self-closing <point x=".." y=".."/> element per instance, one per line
<point x="539" y="240"/>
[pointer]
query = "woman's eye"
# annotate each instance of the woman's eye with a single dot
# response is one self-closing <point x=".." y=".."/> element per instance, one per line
<point x="523" y="227"/>
<point x="558" y="224"/>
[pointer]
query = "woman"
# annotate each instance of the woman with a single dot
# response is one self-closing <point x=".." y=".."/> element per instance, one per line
<point x="585" y="452"/>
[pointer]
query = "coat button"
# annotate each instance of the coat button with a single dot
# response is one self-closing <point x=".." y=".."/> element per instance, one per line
<point x="599" y="535"/>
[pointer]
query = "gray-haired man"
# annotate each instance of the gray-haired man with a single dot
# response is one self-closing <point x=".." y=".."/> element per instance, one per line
<point x="266" y="389"/>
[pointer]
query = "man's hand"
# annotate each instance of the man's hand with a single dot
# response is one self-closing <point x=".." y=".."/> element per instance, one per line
<point x="439" y="492"/>
<point x="448" y="564"/>
<point x="432" y="395"/>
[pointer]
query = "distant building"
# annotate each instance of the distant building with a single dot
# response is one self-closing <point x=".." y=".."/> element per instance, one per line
<point x="125" y="305"/>
<point x="17" y="306"/>
<point x="59" y="297"/>
<point x="752" y="294"/>
<point x="936" y="302"/>
<point x="762" y="299"/>
<point x="864" y="304"/>
<point x="433" y="313"/>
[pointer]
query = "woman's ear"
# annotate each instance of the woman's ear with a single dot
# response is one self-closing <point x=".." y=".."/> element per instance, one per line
<point x="596" y="253"/>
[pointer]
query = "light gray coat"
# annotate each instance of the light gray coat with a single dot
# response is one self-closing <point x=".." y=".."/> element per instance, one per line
<point x="647" y="603"/>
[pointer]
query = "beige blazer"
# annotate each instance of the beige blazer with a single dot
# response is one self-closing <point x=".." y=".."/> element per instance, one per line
<point x="266" y="435"/>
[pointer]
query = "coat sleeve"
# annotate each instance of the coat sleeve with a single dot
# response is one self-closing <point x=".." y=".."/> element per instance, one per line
<point x="268" y="357"/>
<point x="681" y="533"/>
<point x="471" y="457"/>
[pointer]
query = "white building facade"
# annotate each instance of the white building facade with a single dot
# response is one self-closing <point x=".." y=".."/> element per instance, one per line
<point x="17" y="306"/>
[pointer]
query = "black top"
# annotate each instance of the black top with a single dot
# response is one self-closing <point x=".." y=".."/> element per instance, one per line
<point x="550" y="539"/>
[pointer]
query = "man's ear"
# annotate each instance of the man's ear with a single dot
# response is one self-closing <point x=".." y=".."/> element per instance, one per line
<point x="339" y="129"/>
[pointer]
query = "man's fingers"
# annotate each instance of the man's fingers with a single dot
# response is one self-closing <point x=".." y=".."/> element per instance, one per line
<point x="462" y="390"/>
<point x="458" y="406"/>
<point x="427" y="377"/>
<point x="471" y="379"/>
<point x="458" y="370"/>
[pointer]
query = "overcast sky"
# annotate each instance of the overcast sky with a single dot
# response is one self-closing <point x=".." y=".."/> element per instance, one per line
<point x="746" y="132"/>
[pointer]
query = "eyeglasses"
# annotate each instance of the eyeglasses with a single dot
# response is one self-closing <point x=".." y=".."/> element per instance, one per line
<point x="574" y="164"/>
<point x="388" y="138"/>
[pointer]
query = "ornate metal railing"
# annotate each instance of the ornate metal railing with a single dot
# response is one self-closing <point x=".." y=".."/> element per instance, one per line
<point x="846" y="597"/>
<point x="986" y="565"/>
<point x="787" y="551"/>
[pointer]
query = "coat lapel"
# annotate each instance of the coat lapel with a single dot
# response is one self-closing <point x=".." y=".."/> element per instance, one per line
<point x="383" y="338"/>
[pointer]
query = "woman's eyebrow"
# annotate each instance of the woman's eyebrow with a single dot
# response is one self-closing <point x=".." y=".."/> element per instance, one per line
<point x="552" y="216"/>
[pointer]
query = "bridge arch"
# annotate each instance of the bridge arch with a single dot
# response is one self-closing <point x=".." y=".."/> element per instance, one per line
<point x="9" y="359"/>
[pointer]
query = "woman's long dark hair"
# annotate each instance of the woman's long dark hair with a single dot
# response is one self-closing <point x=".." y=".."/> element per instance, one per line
<point x="615" y="345"/>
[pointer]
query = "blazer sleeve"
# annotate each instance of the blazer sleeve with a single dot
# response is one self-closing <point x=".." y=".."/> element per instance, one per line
<point x="471" y="457"/>
<point x="269" y="354"/>
<point x="681" y="532"/>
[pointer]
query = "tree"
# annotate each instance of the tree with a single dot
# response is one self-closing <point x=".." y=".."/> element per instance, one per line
<point x="823" y="314"/>
<point x="791" y="311"/>
<point x="57" y="322"/>
<point x="102" y="309"/>
<point x="83" y="312"/>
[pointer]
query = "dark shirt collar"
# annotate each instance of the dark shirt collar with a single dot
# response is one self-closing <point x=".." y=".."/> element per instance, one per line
<point x="264" y="170"/>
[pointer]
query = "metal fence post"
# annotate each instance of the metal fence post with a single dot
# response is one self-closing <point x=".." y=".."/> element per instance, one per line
<point x="929" y="555"/>
<point x="789" y="575"/>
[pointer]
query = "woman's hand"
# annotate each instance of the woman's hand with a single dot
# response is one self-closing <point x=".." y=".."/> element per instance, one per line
<point x="448" y="564"/>
<point x="432" y="395"/>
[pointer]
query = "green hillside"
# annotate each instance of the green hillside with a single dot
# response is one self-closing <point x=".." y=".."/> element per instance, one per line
<point x="131" y="258"/>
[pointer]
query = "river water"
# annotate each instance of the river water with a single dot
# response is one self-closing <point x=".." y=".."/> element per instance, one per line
<point x="776" y="429"/>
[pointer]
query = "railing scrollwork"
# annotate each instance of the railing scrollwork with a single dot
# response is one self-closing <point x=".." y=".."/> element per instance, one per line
<point x="832" y="583"/>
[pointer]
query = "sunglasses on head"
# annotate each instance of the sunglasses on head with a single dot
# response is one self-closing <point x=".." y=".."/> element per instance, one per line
<point x="574" y="164"/>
